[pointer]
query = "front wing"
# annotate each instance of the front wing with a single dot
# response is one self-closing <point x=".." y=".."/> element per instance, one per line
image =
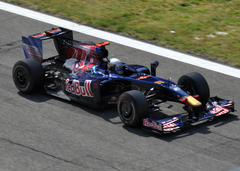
<point x="215" y="107"/>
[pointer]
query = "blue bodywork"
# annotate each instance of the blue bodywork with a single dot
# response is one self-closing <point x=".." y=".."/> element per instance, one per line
<point x="99" y="89"/>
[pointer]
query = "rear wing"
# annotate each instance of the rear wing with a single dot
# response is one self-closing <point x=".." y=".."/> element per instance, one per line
<point x="32" y="45"/>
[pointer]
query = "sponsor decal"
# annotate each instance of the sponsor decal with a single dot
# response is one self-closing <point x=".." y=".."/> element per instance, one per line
<point x="168" y="125"/>
<point x="39" y="35"/>
<point x="55" y="31"/>
<point x="75" y="88"/>
<point x="144" y="77"/>
<point x="32" y="51"/>
<point x="85" y="48"/>
<point x="113" y="100"/>
<point x="159" y="82"/>
<point x="152" y="124"/>
<point x="176" y="89"/>
<point x="219" y="111"/>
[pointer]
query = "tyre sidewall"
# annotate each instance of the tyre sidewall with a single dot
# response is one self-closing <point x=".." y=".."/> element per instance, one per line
<point x="139" y="105"/>
<point x="134" y="118"/>
<point x="22" y="66"/>
<point x="34" y="74"/>
<point x="199" y="84"/>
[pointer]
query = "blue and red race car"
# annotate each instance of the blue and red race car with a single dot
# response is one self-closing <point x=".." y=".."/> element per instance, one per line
<point x="82" y="72"/>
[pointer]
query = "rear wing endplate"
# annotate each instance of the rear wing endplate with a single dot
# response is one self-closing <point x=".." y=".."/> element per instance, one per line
<point x="32" y="45"/>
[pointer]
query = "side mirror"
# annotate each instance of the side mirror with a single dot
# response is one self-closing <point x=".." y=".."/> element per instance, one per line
<point x="154" y="65"/>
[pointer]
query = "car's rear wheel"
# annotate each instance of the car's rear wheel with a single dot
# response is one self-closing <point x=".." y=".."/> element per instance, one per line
<point x="195" y="84"/>
<point x="132" y="107"/>
<point x="28" y="75"/>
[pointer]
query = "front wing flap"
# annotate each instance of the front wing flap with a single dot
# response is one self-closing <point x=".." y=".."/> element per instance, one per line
<point x="215" y="107"/>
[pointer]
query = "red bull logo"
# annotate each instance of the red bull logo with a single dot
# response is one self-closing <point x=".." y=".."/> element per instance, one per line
<point x="152" y="124"/>
<point x="75" y="88"/>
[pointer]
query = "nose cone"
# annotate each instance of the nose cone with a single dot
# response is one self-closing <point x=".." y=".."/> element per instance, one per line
<point x="193" y="102"/>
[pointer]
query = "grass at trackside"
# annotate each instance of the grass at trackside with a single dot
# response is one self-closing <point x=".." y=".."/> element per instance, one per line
<point x="186" y="25"/>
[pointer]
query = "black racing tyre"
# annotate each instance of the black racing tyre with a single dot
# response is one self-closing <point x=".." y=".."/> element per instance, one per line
<point x="28" y="75"/>
<point x="132" y="107"/>
<point x="195" y="84"/>
<point x="90" y="43"/>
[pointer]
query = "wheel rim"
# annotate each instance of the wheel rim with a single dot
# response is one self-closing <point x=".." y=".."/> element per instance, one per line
<point x="21" y="77"/>
<point x="126" y="110"/>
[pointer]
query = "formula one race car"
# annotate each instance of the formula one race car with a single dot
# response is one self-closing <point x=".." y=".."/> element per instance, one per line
<point x="82" y="72"/>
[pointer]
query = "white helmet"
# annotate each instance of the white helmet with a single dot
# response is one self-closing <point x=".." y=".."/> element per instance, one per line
<point x="115" y="64"/>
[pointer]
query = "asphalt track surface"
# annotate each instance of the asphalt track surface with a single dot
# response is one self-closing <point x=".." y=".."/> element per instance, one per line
<point x="41" y="133"/>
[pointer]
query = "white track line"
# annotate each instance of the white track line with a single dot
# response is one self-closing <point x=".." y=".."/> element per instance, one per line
<point x="122" y="40"/>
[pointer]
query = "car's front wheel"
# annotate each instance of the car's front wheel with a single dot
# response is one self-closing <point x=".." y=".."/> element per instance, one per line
<point x="132" y="107"/>
<point x="28" y="75"/>
<point x="195" y="84"/>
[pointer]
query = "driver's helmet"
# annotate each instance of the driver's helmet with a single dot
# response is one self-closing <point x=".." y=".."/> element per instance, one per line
<point x="115" y="65"/>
